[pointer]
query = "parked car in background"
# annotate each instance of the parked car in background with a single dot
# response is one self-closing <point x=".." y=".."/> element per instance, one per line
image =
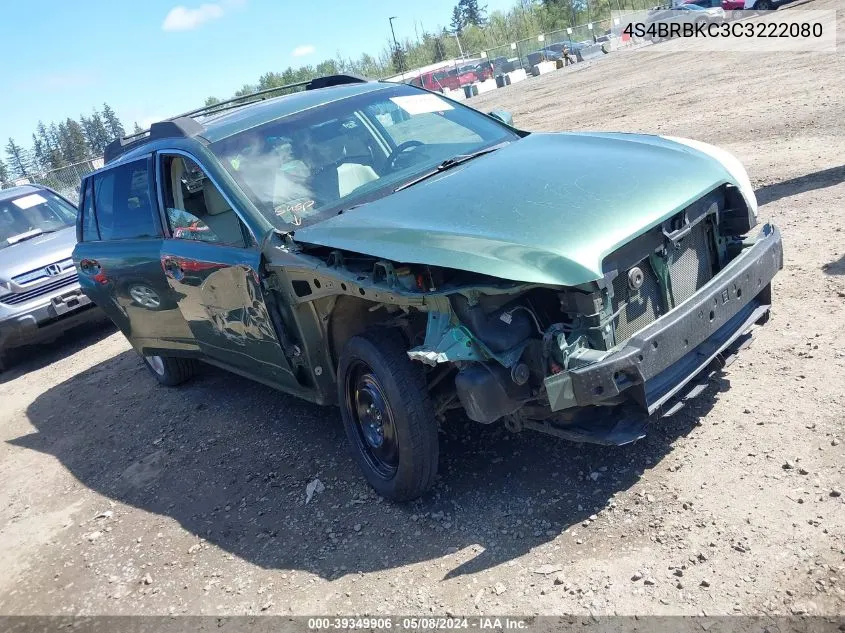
<point x="40" y="296"/>
<point x="452" y="78"/>
<point x="732" y="8"/>
<point x="412" y="268"/>
<point x="764" y="5"/>
<point x="681" y="14"/>
<point x="503" y="65"/>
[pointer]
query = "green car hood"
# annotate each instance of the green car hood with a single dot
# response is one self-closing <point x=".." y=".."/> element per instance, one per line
<point x="545" y="209"/>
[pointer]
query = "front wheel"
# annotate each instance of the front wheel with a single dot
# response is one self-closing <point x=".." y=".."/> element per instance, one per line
<point x="170" y="371"/>
<point x="763" y="5"/>
<point x="387" y="415"/>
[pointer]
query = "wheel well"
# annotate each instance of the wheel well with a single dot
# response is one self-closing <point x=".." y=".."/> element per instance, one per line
<point x="351" y="316"/>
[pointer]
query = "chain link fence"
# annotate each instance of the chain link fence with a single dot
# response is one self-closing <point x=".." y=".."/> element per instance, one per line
<point x="65" y="180"/>
<point x="550" y="45"/>
<point x="579" y="42"/>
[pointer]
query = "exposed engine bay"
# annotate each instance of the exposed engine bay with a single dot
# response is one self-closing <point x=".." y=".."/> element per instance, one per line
<point x="500" y="349"/>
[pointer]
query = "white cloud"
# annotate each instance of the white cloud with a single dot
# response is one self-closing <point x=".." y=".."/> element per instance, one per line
<point x="302" y="51"/>
<point x="181" y="18"/>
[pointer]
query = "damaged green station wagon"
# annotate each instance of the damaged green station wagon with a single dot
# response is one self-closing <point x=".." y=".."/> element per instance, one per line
<point x="381" y="248"/>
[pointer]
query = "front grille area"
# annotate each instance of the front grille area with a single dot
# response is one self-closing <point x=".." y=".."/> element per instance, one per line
<point x="644" y="305"/>
<point x="45" y="272"/>
<point x="22" y="297"/>
<point x="690" y="266"/>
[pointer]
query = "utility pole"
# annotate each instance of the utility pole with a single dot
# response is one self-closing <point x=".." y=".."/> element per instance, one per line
<point x="396" y="48"/>
<point x="458" y="40"/>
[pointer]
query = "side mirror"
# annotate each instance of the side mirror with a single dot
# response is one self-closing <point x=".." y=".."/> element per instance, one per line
<point x="503" y="115"/>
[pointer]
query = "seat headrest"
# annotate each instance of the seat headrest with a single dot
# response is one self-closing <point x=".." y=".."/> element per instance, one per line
<point x="215" y="203"/>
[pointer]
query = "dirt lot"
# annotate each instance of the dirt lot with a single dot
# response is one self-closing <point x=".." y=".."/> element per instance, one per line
<point x="123" y="497"/>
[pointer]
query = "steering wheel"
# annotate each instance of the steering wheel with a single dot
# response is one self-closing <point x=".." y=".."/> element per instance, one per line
<point x="399" y="150"/>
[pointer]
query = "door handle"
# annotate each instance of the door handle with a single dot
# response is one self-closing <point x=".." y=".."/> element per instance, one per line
<point x="90" y="267"/>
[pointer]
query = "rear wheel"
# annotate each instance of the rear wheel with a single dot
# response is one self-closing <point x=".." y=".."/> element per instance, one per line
<point x="387" y="415"/>
<point x="170" y="371"/>
<point x="763" y="5"/>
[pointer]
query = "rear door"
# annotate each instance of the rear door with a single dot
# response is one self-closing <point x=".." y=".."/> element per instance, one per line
<point x="212" y="263"/>
<point x="120" y="236"/>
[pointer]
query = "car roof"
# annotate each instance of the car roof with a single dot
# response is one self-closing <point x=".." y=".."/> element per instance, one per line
<point x="218" y="121"/>
<point x="220" y="126"/>
<point x="20" y="190"/>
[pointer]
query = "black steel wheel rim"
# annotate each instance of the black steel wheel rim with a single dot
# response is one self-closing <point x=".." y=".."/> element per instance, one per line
<point x="373" y="420"/>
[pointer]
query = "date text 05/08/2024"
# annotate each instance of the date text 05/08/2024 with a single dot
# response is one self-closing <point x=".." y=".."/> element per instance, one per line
<point x="417" y="623"/>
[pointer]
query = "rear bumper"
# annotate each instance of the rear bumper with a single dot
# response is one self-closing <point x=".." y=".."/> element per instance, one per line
<point x="46" y="320"/>
<point x="658" y="361"/>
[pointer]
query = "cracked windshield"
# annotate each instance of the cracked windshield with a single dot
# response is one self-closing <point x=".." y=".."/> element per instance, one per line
<point x="314" y="164"/>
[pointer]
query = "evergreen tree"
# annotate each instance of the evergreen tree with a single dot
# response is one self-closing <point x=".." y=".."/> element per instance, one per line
<point x="439" y="50"/>
<point x="210" y="101"/>
<point x="113" y="124"/>
<point x="472" y="13"/>
<point x="42" y="157"/>
<point x="88" y="131"/>
<point x="56" y="140"/>
<point x="64" y="143"/>
<point x="52" y="156"/>
<point x="457" y="24"/>
<point x="77" y="148"/>
<point x="18" y="159"/>
<point x="137" y="129"/>
<point x="44" y="136"/>
<point x="4" y="172"/>
<point x="397" y="58"/>
<point x="99" y="132"/>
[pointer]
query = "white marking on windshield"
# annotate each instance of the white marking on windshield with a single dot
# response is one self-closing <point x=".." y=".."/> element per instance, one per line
<point x="29" y="201"/>
<point x="421" y="104"/>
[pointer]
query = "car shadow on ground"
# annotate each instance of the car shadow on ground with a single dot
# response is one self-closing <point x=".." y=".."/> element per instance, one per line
<point x="800" y="184"/>
<point x="836" y="267"/>
<point x="23" y="360"/>
<point x="230" y="461"/>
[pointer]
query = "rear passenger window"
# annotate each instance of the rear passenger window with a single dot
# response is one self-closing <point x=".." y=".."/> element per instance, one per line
<point x="122" y="202"/>
<point x="89" y="220"/>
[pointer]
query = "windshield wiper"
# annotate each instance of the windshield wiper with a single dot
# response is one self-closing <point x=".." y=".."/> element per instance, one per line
<point x="22" y="237"/>
<point x="449" y="163"/>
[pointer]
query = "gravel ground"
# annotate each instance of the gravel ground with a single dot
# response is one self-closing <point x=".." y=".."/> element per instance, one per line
<point x="123" y="497"/>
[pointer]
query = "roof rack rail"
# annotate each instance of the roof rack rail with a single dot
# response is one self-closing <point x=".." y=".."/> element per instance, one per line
<point x="184" y="125"/>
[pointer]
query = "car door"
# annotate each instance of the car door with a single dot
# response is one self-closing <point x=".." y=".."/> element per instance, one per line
<point x="119" y="236"/>
<point x="212" y="263"/>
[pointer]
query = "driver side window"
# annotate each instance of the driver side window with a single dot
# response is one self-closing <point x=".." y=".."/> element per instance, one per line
<point x="195" y="208"/>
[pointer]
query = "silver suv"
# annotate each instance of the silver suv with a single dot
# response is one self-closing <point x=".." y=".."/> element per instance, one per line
<point x="39" y="289"/>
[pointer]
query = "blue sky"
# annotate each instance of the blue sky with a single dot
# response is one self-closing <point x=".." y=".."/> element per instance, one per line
<point x="153" y="58"/>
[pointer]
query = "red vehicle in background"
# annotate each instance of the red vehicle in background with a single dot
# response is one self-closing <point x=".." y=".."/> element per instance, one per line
<point x="451" y="78"/>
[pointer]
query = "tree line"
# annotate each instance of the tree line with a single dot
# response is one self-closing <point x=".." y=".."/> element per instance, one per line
<point x="470" y="30"/>
<point x="59" y="144"/>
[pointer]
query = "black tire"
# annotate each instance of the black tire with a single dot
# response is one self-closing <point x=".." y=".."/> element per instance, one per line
<point x="374" y="367"/>
<point x="763" y="5"/>
<point x="171" y="371"/>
